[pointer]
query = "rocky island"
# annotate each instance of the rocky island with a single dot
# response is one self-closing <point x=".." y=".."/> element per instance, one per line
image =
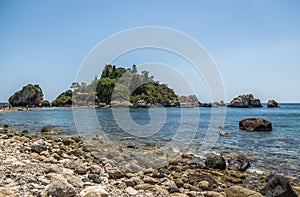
<point x="245" y="101"/>
<point x="29" y="95"/>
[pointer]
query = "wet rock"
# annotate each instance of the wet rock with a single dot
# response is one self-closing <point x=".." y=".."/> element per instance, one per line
<point x="216" y="162"/>
<point x="223" y="133"/>
<point x="60" y="189"/>
<point x="255" y="124"/>
<point x="25" y="131"/>
<point x="5" y="126"/>
<point x="279" y="186"/>
<point x="245" y="101"/>
<point x="40" y="146"/>
<point x="238" y="163"/>
<point x="96" y="191"/>
<point x="238" y="191"/>
<point x="272" y="104"/>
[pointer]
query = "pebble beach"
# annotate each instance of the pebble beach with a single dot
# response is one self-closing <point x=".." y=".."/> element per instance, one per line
<point x="33" y="165"/>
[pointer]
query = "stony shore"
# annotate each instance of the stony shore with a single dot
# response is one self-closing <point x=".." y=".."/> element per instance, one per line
<point x="65" y="166"/>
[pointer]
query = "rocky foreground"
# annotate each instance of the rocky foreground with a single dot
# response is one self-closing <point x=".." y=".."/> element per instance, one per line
<point x="34" y="165"/>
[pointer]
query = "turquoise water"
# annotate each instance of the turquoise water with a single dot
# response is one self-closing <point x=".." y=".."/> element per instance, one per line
<point x="277" y="150"/>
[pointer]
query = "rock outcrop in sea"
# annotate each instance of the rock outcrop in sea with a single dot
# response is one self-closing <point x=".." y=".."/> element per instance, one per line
<point x="245" y="101"/>
<point x="29" y="95"/>
<point x="255" y="124"/>
<point x="272" y="104"/>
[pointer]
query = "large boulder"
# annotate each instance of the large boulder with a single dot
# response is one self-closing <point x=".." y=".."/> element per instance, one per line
<point x="279" y="186"/>
<point x="255" y="124"/>
<point x="272" y="103"/>
<point x="29" y="95"/>
<point x="245" y="101"/>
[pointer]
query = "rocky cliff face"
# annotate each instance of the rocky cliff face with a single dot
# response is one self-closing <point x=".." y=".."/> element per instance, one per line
<point x="245" y="101"/>
<point x="29" y="95"/>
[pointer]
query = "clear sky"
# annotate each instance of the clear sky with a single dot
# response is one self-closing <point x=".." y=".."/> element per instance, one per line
<point x="256" y="44"/>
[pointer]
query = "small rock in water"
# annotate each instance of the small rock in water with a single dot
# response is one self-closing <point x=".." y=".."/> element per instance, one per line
<point x="216" y="162"/>
<point x="238" y="163"/>
<point x="279" y="186"/>
<point x="255" y="124"/>
<point x="25" y="131"/>
<point x="272" y="104"/>
<point x="51" y="130"/>
<point x="223" y="133"/>
<point x="5" y="126"/>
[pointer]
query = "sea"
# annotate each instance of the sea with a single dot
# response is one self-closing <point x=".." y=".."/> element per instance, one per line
<point x="193" y="129"/>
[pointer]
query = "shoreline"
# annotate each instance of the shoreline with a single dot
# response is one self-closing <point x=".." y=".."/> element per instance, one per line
<point x="81" y="165"/>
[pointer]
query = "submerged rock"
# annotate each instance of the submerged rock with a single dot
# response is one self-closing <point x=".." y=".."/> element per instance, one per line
<point x="255" y="124"/>
<point x="272" y="104"/>
<point x="245" y="101"/>
<point x="51" y="130"/>
<point x="279" y="186"/>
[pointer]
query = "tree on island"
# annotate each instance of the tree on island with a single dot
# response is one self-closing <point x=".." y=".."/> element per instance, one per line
<point x="120" y="84"/>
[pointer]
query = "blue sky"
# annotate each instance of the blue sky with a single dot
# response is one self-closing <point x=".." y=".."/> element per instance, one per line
<point x="255" y="44"/>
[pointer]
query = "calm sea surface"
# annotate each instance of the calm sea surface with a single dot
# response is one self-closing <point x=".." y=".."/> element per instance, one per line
<point x="278" y="150"/>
